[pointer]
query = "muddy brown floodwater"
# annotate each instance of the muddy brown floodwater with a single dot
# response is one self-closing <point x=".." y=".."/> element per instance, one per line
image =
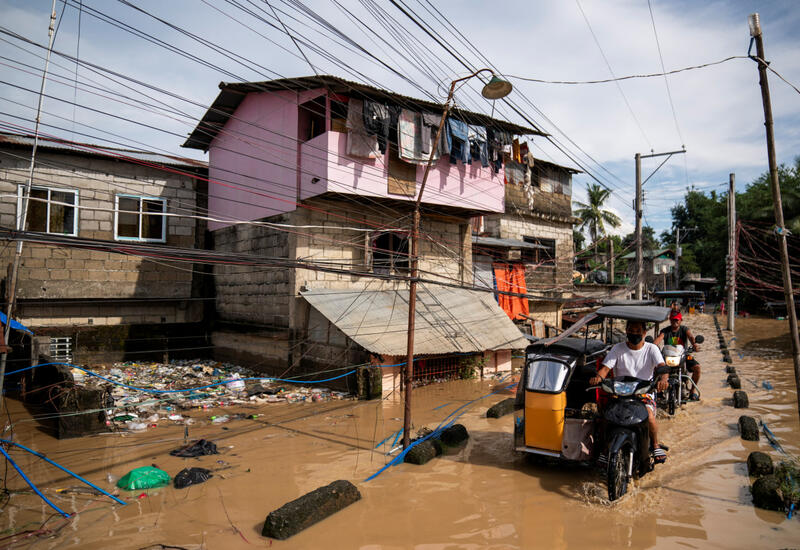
<point x="483" y="496"/>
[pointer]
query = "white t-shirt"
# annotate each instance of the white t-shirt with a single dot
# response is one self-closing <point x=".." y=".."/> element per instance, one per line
<point x="639" y="363"/>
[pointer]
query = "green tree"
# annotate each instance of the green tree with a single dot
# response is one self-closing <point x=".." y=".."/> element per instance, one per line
<point x="649" y="241"/>
<point x="592" y="215"/>
<point x="578" y="239"/>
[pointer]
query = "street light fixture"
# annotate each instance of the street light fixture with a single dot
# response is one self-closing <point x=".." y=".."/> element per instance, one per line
<point x="496" y="88"/>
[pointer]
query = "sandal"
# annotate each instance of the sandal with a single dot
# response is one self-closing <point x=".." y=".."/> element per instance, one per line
<point x="694" y="396"/>
<point x="659" y="455"/>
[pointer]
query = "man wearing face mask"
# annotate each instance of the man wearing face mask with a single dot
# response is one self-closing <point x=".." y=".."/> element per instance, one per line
<point x="639" y="359"/>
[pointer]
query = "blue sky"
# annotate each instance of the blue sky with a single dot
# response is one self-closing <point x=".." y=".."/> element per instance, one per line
<point x="718" y="109"/>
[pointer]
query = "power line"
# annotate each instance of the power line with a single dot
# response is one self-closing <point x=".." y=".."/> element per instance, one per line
<point x="666" y="81"/>
<point x="614" y="78"/>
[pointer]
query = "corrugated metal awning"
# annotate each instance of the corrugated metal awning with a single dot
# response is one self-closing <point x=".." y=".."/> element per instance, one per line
<point x="507" y="243"/>
<point x="448" y="320"/>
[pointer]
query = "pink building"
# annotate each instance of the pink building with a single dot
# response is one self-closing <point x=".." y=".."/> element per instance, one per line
<point x="322" y="173"/>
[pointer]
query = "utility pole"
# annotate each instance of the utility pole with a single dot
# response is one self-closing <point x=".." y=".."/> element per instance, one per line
<point x="780" y="230"/>
<point x="611" y="260"/>
<point x="731" y="251"/>
<point x="677" y="258"/>
<point x="495" y="89"/>
<point x="22" y="215"/>
<point x="638" y="208"/>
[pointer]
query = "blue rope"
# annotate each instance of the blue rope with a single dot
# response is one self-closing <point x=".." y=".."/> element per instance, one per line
<point x="32" y="486"/>
<point x="443" y="425"/>
<point x="60" y="467"/>
<point x="440" y="407"/>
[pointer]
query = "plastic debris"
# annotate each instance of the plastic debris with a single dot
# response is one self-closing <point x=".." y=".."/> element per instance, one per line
<point x="146" y="477"/>
<point x="198" y="448"/>
<point x="191" y="476"/>
<point x="194" y="391"/>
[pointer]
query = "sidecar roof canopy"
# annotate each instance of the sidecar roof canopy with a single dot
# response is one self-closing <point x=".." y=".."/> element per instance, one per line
<point x="647" y="314"/>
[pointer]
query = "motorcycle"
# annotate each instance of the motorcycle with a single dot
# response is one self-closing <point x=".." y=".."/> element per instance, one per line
<point x="680" y="381"/>
<point x="557" y="417"/>
<point x="627" y="436"/>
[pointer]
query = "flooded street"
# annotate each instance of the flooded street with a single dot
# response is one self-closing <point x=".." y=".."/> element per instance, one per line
<point x="483" y="496"/>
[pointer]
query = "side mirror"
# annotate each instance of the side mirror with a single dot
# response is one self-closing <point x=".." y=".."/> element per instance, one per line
<point x="649" y="338"/>
<point x="699" y="339"/>
<point x="662" y="370"/>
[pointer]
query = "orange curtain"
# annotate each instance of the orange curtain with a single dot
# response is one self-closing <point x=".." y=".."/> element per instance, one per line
<point x="511" y="278"/>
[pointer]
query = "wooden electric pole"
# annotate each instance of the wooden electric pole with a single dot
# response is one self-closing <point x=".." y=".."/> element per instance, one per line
<point x="731" y="251"/>
<point x="780" y="230"/>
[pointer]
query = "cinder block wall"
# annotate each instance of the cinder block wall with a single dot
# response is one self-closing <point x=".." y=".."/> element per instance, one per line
<point x="254" y="295"/>
<point x="60" y="273"/>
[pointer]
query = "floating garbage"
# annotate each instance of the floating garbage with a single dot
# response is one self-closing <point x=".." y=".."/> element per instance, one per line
<point x="146" y="477"/>
<point x="177" y="396"/>
<point x="200" y="447"/>
<point x="191" y="476"/>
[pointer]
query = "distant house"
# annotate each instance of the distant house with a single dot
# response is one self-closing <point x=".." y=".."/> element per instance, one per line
<point x="304" y="176"/>
<point x="659" y="266"/>
<point x="90" y="304"/>
<point x="533" y="236"/>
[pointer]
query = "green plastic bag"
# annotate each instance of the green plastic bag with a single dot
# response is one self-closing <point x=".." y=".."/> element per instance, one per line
<point x="146" y="477"/>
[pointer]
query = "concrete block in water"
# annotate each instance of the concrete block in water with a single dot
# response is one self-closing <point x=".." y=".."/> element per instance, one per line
<point x="766" y="493"/>
<point x="748" y="428"/>
<point x="740" y="400"/>
<point x="299" y="514"/>
<point x="421" y="453"/>
<point x="75" y="400"/>
<point x="730" y="369"/>
<point x="454" y="435"/>
<point x="759" y="464"/>
<point x="734" y="381"/>
<point x="502" y="408"/>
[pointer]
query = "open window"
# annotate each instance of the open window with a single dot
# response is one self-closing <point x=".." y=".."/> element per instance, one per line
<point x="389" y="251"/>
<point x="50" y="210"/>
<point x="543" y="254"/>
<point x="311" y="118"/>
<point x="339" y="112"/>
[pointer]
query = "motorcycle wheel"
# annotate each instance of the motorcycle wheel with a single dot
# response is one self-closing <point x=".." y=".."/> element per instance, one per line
<point x="618" y="466"/>
<point x="671" y="399"/>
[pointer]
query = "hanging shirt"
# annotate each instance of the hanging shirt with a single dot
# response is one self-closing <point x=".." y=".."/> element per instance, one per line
<point x="458" y="136"/>
<point x="376" y="122"/>
<point x="359" y="142"/>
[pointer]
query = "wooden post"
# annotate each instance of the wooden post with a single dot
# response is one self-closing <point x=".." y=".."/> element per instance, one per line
<point x="731" y="252"/>
<point x="780" y="230"/>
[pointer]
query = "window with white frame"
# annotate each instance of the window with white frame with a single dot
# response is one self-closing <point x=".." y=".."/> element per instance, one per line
<point x="140" y="219"/>
<point x="50" y="210"/>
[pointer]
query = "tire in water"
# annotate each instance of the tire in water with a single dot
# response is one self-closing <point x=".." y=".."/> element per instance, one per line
<point x="618" y="473"/>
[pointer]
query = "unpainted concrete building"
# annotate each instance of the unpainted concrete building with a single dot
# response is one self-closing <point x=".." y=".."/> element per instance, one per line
<point x="99" y="305"/>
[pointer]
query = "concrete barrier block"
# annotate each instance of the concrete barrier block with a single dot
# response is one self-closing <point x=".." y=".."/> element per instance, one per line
<point x="759" y="464"/>
<point x="748" y="428"/>
<point x="299" y="514"/>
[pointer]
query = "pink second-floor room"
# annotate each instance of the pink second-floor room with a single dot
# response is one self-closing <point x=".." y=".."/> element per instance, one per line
<point x="274" y="144"/>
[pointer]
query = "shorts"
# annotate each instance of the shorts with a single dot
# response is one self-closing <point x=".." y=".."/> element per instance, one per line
<point x="649" y="400"/>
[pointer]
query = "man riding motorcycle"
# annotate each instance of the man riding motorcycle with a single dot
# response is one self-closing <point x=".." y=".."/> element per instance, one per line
<point x="639" y="359"/>
<point x="677" y="335"/>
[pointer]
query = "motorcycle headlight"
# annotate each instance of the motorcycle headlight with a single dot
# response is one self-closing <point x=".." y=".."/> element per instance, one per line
<point x="624" y="388"/>
<point x="673" y="361"/>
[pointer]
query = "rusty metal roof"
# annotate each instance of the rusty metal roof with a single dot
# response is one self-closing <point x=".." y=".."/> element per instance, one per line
<point x="448" y="320"/>
<point x="233" y="93"/>
<point x="53" y="144"/>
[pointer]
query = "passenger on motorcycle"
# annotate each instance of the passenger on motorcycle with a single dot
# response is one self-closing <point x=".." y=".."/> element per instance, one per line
<point x="677" y="335"/>
<point x="639" y="359"/>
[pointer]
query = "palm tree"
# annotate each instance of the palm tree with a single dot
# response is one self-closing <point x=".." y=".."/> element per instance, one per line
<point x="593" y="216"/>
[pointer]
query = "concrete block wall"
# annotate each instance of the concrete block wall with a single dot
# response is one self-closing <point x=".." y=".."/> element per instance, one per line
<point x="49" y="272"/>
<point x="254" y="295"/>
<point x="543" y="276"/>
